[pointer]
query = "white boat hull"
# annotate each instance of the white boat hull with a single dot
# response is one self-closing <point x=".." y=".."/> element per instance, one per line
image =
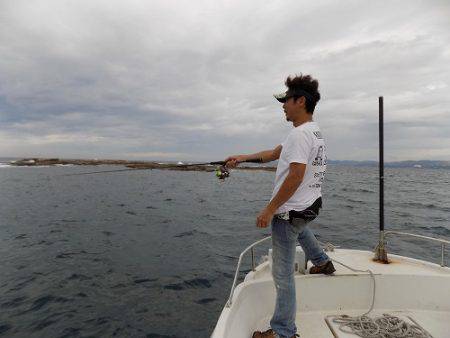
<point x="406" y="287"/>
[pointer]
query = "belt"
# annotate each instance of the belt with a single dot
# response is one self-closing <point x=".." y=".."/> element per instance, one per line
<point x="283" y="216"/>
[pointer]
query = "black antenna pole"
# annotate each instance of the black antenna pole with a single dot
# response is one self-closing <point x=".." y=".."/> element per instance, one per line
<point x="380" y="250"/>
<point x="381" y="162"/>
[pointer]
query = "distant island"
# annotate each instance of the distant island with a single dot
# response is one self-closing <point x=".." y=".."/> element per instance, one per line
<point x="426" y="164"/>
<point x="129" y="164"/>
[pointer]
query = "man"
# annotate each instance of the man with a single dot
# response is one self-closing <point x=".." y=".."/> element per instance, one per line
<point x="295" y="201"/>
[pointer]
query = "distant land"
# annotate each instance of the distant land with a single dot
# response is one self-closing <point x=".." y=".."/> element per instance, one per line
<point x="426" y="164"/>
<point x="398" y="164"/>
<point x="182" y="166"/>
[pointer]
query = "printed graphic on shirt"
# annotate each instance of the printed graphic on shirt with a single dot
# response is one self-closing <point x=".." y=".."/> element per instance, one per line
<point x="320" y="176"/>
<point x="320" y="158"/>
<point x="319" y="161"/>
<point x="318" y="135"/>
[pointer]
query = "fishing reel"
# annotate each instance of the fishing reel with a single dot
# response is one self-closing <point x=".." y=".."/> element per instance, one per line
<point x="222" y="172"/>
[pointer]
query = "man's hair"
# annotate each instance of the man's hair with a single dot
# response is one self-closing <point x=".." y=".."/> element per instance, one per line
<point x="308" y="84"/>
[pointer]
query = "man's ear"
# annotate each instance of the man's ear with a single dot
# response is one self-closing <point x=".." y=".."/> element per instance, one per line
<point x="301" y="101"/>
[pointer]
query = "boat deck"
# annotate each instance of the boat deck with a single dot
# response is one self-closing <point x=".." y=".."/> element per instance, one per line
<point x="314" y="324"/>
<point x="417" y="291"/>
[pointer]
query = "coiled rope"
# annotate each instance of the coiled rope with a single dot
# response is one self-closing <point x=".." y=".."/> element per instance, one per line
<point x="385" y="326"/>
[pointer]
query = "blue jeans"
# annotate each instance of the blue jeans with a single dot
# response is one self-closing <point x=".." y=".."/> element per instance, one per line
<point x="284" y="238"/>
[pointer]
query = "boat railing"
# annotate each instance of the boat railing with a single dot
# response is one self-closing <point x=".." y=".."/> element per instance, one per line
<point x="431" y="239"/>
<point x="251" y="248"/>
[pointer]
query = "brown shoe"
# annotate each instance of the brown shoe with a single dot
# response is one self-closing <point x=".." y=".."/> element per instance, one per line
<point x="326" y="269"/>
<point x="268" y="334"/>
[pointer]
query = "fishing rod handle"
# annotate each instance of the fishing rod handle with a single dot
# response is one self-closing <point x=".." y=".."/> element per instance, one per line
<point x="259" y="160"/>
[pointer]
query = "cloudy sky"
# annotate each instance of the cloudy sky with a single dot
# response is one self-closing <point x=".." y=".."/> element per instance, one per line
<point x="193" y="80"/>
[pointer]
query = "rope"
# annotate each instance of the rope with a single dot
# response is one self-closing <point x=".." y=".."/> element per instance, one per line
<point x="373" y="289"/>
<point x="385" y="326"/>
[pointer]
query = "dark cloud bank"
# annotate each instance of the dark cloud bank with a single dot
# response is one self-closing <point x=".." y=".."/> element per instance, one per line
<point x="194" y="79"/>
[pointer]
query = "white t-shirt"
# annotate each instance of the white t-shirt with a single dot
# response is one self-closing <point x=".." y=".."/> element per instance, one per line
<point x="304" y="144"/>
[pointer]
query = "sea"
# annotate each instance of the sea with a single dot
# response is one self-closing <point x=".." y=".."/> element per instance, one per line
<point x="152" y="253"/>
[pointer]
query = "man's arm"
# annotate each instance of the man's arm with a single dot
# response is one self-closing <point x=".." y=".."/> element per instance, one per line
<point x="264" y="156"/>
<point x="287" y="189"/>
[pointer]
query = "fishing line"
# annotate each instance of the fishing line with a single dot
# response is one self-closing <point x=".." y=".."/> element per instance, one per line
<point x="221" y="171"/>
<point x="130" y="169"/>
<point x="105" y="171"/>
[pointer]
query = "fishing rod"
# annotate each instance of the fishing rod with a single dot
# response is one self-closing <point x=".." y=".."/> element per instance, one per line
<point x="104" y="171"/>
<point x="221" y="171"/>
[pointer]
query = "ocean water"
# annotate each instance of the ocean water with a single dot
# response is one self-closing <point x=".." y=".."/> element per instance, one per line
<point x="152" y="253"/>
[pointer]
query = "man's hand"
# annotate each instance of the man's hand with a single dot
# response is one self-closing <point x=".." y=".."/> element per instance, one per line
<point x="234" y="160"/>
<point x="265" y="217"/>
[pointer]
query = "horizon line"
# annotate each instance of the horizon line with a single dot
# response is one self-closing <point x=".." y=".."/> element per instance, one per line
<point x="190" y="160"/>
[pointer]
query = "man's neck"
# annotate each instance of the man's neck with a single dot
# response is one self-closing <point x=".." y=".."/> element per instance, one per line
<point x="302" y="119"/>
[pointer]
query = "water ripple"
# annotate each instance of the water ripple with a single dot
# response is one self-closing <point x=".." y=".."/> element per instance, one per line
<point x="153" y="253"/>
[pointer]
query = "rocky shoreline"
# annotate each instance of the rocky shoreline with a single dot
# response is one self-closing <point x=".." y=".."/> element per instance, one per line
<point x="129" y="164"/>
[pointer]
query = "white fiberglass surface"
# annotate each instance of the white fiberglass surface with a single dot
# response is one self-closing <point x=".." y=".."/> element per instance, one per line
<point x="254" y="302"/>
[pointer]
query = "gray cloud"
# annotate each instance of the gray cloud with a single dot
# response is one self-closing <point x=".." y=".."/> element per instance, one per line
<point x="194" y="79"/>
